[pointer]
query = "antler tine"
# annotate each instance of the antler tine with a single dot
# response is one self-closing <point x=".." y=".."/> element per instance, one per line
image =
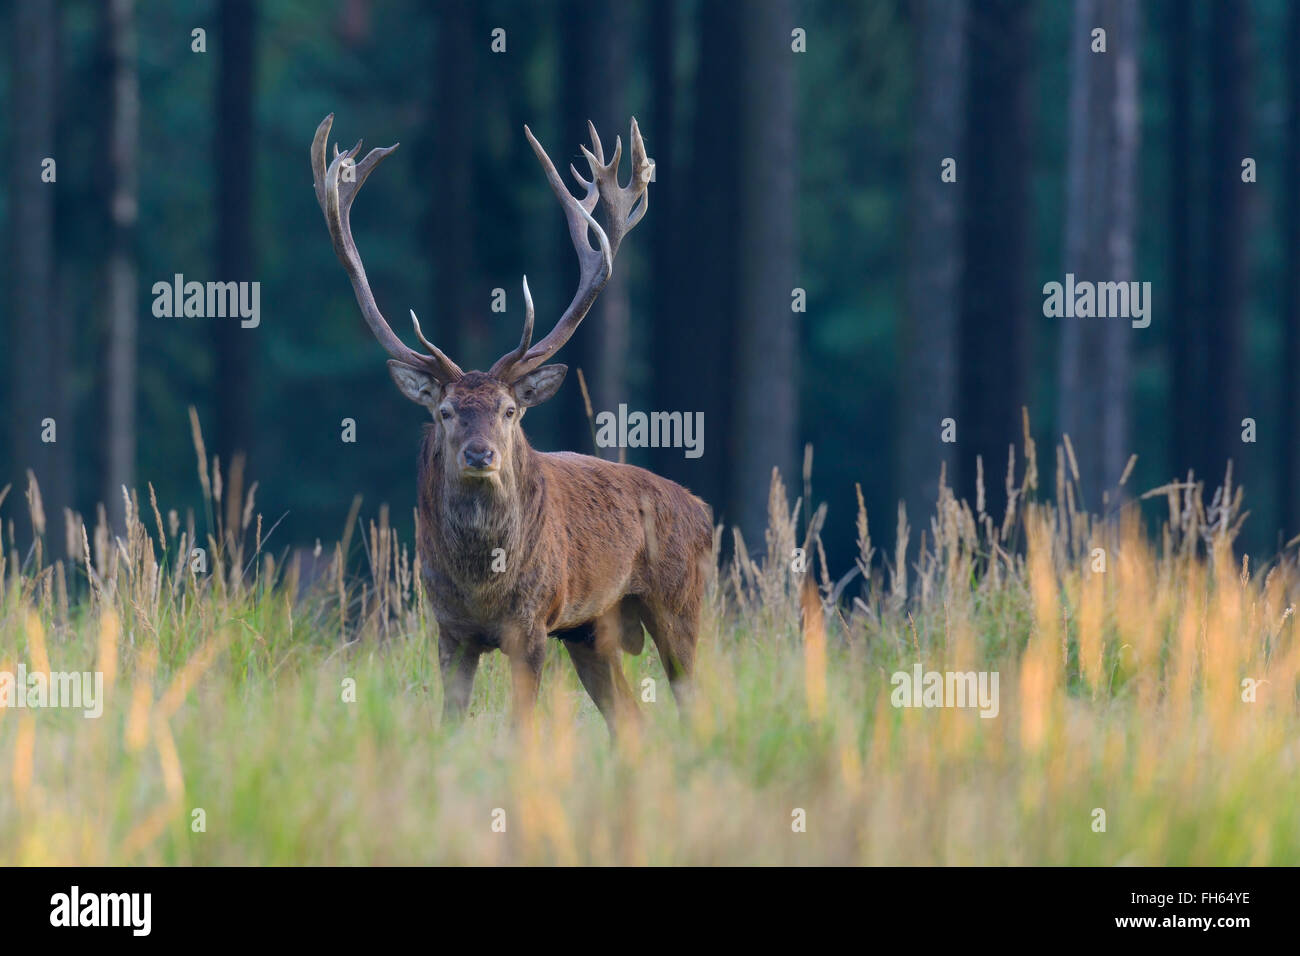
<point x="595" y="142"/>
<point x="594" y="265"/>
<point x="502" y="366"/>
<point x="624" y="205"/>
<point x="624" y="208"/>
<point x="419" y="334"/>
<point x="591" y="194"/>
<point x="335" y="195"/>
<point x="599" y="158"/>
<point x="526" y="339"/>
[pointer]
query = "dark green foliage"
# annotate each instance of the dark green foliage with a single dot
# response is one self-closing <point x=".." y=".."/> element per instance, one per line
<point x="317" y="365"/>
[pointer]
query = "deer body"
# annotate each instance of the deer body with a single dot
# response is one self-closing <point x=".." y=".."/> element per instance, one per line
<point x="580" y="538"/>
<point x="516" y="544"/>
<point x="583" y="549"/>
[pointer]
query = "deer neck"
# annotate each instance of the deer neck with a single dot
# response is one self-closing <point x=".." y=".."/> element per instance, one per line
<point x="471" y="519"/>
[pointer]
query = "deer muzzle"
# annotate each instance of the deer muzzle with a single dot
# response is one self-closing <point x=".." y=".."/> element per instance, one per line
<point x="477" y="457"/>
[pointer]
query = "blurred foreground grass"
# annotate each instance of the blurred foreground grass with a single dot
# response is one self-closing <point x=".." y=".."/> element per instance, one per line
<point x="227" y="692"/>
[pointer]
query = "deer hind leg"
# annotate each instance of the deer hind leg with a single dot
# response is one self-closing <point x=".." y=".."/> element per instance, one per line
<point x="594" y="650"/>
<point x="675" y="632"/>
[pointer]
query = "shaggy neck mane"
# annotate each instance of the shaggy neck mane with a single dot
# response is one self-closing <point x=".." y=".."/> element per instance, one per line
<point x="470" y="519"/>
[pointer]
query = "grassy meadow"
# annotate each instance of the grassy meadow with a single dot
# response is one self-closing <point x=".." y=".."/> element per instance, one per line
<point x="227" y="692"/>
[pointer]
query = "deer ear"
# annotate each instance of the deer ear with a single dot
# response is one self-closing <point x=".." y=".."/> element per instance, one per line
<point x="539" y="385"/>
<point x="416" y="384"/>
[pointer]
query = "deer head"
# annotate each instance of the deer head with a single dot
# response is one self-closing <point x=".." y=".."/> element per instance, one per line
<point x="478" y="413"/>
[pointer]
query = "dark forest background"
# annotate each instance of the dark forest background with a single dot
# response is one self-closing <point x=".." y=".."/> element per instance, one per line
<point x="775" y="170"/>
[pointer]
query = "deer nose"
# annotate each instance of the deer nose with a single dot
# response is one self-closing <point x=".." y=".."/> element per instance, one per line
<point x="478" y="454"/>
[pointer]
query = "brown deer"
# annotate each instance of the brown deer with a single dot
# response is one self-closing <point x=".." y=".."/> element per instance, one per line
<point x="516" y="544"/>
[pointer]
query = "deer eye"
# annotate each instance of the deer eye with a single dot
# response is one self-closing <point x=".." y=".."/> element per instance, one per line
<point x="445" y="412"/>
<point x="510" y="411"/>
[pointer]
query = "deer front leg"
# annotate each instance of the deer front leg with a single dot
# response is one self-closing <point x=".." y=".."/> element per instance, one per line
<point x="458" y="662"/>
<point x="526" y="650"/>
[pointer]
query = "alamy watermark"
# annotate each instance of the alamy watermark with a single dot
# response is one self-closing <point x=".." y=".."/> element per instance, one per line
<point x="70" y="689"/>
<point x="1102" y="300"/>
<point x="921" y="688"/>
<point x="655" y="430"/>
<point x="131" y="911"/>
<point x="209" y="300"/>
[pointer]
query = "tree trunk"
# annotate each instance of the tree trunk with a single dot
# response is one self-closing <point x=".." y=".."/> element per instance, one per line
<point x="595" y="52"/>
<point x="1289" y="412"/>
<point x="39" y="359"/>
<point x="1100" y="240"/>
<point x="669" y="330"/>
<point x="928" y="390"/>
<point x="123" y="202"/>
<point x="459" y="324"/>
<point x="703" y="201"/>
<point x="995" y="327"/>
<point x="234" y="176"/>
<point x="1186" y="332"/>
<point x="765" y="434"/>
<point x="1223" y="390"/>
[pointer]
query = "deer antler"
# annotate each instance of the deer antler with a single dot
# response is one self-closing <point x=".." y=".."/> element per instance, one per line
<point x="624" y="205"/>
<point x="624" y="208"/>
<point x="335" y="193"/>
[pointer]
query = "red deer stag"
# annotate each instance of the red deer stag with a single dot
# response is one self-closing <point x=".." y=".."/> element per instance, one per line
<point x="516" y="544"/>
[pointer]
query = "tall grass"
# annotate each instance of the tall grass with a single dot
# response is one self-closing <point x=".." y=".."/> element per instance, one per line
<point x="228" y="692"/>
